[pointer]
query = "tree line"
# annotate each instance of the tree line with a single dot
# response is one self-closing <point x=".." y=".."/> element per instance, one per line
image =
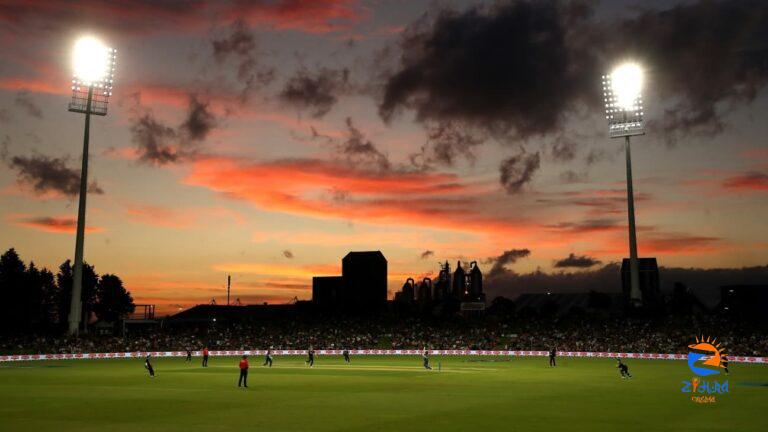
<point x="35" y="299"/>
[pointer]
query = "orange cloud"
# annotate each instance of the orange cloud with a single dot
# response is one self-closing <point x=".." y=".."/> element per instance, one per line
<point x="171" y="294"/>
<point x="274" y="269"/>
<point x="177" y="218"/>
<point x="329" y="190"/>
<point x="223" y="103"/>
<point x="660" y="243"/>
<point x="368" y="238"/>
<point x="586" y="227"/>
<point x="682" y="244"/>
<point x="51" y="224"/>
<point x="37" y="85"/>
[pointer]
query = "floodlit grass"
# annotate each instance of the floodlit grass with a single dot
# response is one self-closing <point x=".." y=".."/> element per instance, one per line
<point x="372" y="394"/>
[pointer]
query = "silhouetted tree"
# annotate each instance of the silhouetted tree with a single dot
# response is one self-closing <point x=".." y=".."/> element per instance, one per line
<point x="113" y="302"/>
<point x="34" y="299"/>
<point x="12" y="283"/>
<point x="64" y="282"/>
<point x="49" y="310"/>
<point x="31" y="297"/>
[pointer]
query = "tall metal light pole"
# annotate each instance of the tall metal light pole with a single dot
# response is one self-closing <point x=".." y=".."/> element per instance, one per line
<point x="624" y="112"/>
<point x="94" y="67"/>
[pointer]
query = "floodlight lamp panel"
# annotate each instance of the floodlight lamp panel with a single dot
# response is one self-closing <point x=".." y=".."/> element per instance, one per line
<point x="626" y="83"/>
<point x="92" y="61"/>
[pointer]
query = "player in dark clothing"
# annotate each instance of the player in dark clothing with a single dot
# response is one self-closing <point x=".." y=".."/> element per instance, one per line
<point x="724" y="362"/>
<point x="243" y="381"/>
<point x="623" y="369"/>
<point x="205" y="357"/>
<point x="148" y="366"/>
<point x="552" y="354"/>
<point x="310" y="357"/>
<point x="425" y="359"/>
<point x="189" y="356"/>
<point x="268" y="358"/>
<point x="345" y="353"/>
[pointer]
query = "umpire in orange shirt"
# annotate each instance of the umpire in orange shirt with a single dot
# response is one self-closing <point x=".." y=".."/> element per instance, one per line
<point x="243" y="381"/>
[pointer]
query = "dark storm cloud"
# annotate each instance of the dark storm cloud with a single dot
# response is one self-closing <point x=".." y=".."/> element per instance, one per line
<point x="160" y="144"/>
<point x="512" y="68"/>
<point x="571" y="176"/>
<point x="287" y="254"/>
<point x="24" y="100"/>
<point x="577" y="261"/>
<point x="563" y="149"/>
<point x="521" y="68"/>
<point x="700" y="55"/>
<point x="316" y="91"/>
<point x="199" y="121"/>
<point x="4" y="145"/>
<point x="154" y="141"/>
<point x="47" y="174"/>
<point x="239" y="42"/>
<point x="427" y="254"/>
<point x="597" y="155"/>
<point x="241" y="45"/>
<point x="359" y="150"/>
<point x="516" y="171"/>
<point x="508" y="257"/>
<point x="355" y="149"/>
<point x="447" y="142"/>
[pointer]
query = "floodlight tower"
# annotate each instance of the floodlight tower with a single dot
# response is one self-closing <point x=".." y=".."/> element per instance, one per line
<point x="624" y="112"/>
<point x="94" y="67"/>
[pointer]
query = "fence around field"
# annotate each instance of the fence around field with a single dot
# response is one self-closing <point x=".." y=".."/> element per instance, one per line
<point x="378" y="352"/>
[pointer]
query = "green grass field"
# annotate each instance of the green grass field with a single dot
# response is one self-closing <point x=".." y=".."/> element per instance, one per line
<point x="373" y="394"/>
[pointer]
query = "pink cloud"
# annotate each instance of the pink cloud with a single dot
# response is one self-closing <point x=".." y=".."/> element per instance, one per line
<point x="747" y="182"/>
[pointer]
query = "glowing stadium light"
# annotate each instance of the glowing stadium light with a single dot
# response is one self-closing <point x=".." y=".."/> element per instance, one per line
<point x="94" y="73"/>
<point x="93" y="64"/>
<point x="92" y="61"/>
<point x="626" y="83"/>
<point x="622" y="94"/>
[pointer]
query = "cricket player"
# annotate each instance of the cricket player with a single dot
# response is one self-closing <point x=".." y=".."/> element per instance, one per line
<point x="623" y="369"/>
<point x="148" y="366"/>
<point x="243" y="381"/>
<point x="268" y="358"/>
<point x="425" y="359"/>
<point x="310" y="357"/>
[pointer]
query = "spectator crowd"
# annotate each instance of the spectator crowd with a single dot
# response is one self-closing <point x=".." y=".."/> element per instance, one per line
<point x="614" y="335"/>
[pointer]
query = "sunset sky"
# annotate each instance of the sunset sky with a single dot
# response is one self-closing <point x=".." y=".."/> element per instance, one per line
<point x="267" y="139"/>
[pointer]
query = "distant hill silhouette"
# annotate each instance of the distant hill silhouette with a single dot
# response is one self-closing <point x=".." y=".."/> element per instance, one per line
<point x="703" y="283"/>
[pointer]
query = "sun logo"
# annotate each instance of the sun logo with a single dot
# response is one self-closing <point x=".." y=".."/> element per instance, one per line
<point x="710" y="352"/>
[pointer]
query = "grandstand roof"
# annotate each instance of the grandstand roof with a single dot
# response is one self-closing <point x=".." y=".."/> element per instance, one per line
<point x="206" y="313"/>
